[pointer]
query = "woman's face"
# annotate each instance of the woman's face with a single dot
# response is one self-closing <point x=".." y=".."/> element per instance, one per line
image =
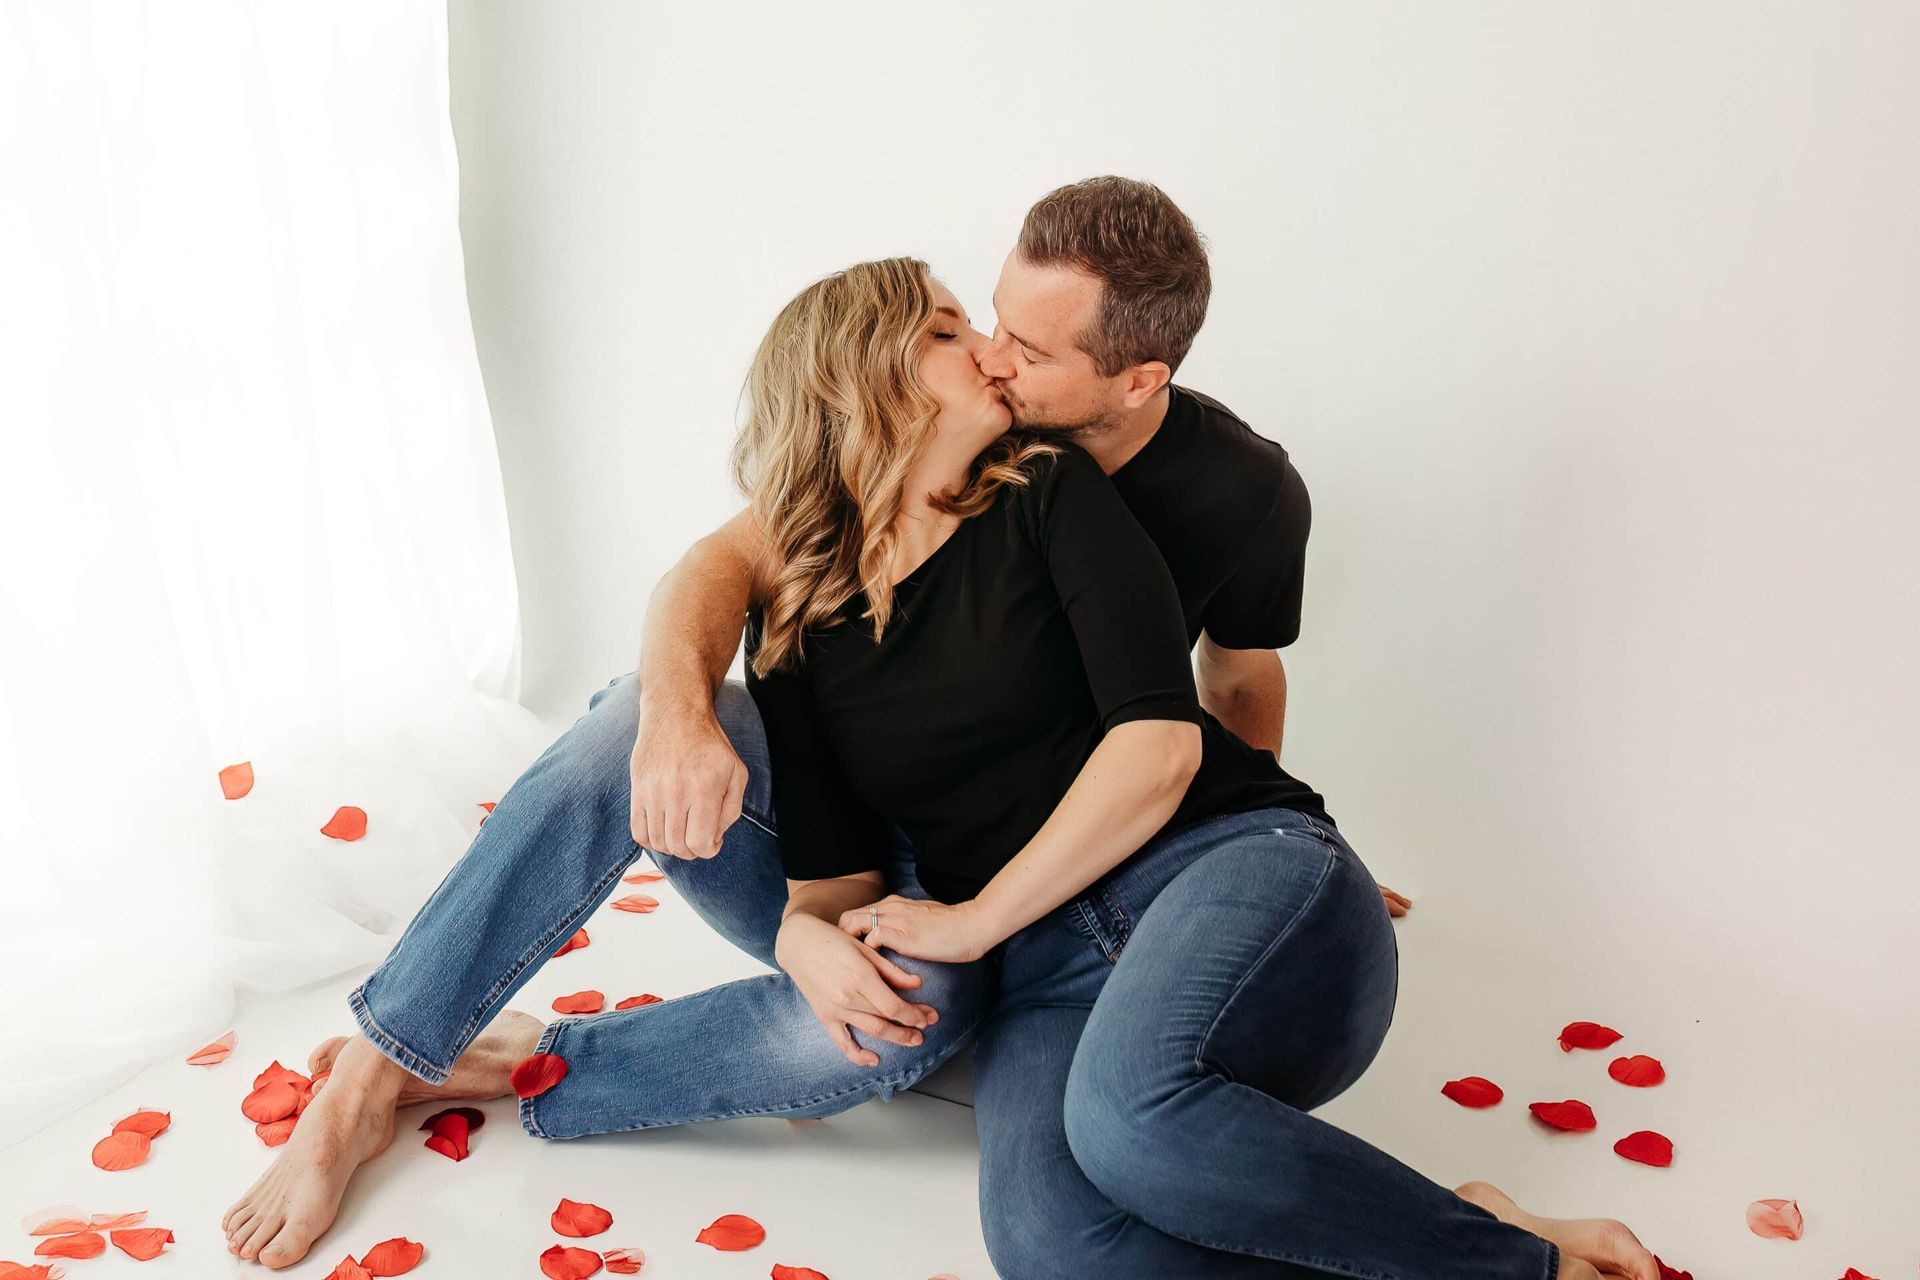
<point x="971" y="407"/>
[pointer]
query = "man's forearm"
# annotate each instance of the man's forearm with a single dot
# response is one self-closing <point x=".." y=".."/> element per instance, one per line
<point x="694" y="622"/>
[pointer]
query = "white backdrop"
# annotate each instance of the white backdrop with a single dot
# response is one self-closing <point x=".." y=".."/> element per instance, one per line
<point x="1592" y="330"/>
<point x="250" y="510"/>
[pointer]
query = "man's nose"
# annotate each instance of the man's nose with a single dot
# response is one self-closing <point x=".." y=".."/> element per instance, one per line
<point x="994" y="358"/>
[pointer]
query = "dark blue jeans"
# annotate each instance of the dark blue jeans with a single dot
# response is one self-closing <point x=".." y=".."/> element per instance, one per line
<point x="1147" y="1053"/>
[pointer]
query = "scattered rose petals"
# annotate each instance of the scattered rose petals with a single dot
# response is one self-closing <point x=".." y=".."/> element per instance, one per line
<point x="637" y="902"/>
<point x="577" y="1218"/>
<point x="624" y="1262"/>
<point x="213" y="1054"/>
<point x="1670" y="1273"/>
<point x="488" y="806"/>
<point x="59" y="1220"/>
<point x="1856" y="1275"/>
<point x="142" y="1244"/>
<point x="81" y="1244"/>
<point x="1647" y="1147"/>
<point x="781" y="1272"/>
<point x="732" y="1232"/>
<point x="1473" y="1091"/>
<point x="1572" y="1115"/>
<point x="451" y="1129"/>
<point x="534" y="1075"/>
<point x="42" y="1271"/>
<point x="1640" y="1071"/>
<point x="634" y="1002"/>
<point x="121" y="1150"/>
<point x="578" y="940"/>
<point x="115" y="1221"/>
<point x="642" y="877"/>
<point x="349" y="822"/>
<point x="277" y="1074"/>
<point x="151" y="1123"/>
<point x="1775" y="1219"/>
<point x="393" y="1257"/>
<point x="275" y="1132"/>
<point x="1586" y="1035"/>
<point x="274" y="1100"/>
<point x="563" y="1263"/>
<point x="236" y="780"/>
<point x="348" y="1269"/>
<point x="580" y="1002"/>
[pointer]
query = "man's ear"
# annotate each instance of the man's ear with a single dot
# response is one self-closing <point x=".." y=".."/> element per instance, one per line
<point x="1144" y="382"/>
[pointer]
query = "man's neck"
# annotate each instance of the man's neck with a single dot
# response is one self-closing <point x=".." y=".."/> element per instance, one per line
<point x="1115" y="446"/>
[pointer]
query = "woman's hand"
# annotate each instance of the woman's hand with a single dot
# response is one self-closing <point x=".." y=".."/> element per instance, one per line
<point x="848" y="984"/>
<point x="917" y="927"/>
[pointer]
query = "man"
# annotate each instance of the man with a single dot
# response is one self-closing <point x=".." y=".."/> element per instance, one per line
<point x="1105" y="270"/>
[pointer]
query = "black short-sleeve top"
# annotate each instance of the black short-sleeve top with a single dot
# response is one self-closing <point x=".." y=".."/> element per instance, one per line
<point x="1038" y="625"/>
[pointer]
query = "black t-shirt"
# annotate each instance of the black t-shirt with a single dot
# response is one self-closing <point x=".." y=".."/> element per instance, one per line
<point x="1038" y="625"/>
<point x="1230" y="515"/>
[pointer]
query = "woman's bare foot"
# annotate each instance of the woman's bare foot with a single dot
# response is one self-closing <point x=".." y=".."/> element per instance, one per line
<point x="484" y="1071"/>
<point x="349" y="1122"/>
<point x="1603" y="1245"/>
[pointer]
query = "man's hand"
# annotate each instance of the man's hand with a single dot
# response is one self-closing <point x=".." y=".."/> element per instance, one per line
<point x="1397" y="903"/>
<point x="688" y="782"/>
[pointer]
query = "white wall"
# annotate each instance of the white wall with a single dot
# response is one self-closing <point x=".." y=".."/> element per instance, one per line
<point x="1591" y="327"/>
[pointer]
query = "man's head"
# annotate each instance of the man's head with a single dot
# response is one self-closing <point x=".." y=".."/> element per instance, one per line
<point x="1097" y="305"/>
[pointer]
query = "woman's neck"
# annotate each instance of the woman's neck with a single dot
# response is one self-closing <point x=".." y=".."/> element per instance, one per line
<point x="920" y="527"/>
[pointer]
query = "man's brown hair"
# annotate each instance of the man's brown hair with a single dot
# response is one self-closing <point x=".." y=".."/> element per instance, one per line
<point x="1146" y="254"/>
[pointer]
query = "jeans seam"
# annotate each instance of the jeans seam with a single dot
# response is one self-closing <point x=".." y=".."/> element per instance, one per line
<point x="892" y="1083"/>
<point x="389" y="1044"/>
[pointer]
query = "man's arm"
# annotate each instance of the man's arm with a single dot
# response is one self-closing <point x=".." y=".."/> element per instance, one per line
<point x="687" y="779"/>
<point x="1246" y="690"/>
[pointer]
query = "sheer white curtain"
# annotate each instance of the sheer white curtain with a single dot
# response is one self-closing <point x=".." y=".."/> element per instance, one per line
<point x="250" y="510"/>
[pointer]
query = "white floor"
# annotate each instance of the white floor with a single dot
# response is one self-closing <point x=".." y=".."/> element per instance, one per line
<point x="1776" y="1088"/>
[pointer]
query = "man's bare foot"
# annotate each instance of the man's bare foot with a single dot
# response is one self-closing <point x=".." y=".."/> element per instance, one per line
<point x="1606" y="1246"/>
<point x="349" y="1122"/>
<point x="484" y="1071"/>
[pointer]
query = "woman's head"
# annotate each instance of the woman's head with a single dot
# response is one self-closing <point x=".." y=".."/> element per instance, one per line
<point x="858" y="377"/>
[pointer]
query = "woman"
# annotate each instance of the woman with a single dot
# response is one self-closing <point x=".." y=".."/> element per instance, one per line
<point x="974" y="684"/>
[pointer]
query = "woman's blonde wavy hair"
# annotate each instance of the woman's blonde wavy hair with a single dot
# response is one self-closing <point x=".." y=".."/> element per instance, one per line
<point x="837" y="415"/>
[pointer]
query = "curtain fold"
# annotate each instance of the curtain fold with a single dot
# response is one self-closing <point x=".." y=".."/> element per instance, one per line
<point x="250" y="510"/>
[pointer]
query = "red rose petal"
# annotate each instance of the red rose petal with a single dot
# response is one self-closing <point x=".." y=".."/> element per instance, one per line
<point x="637" y="902"/>
<point x="1572" y="1115"/>
<point x="634" y="1002"/>
<point x="488" y="805"/>
<point x="1775" y="1219"/>
<point x="1853" y="1274"/>
<point x="143" y="1243"/>
<point x="1647" y="1147"/>
<point x="1670" y="1273"/>
<point x="1640" y="1071"/>
<point x="534" y="1075"/>
<point x="451" y="1129"/>
<point x="623" y="1262"/>
<point x="349" y="822"/>
<point x="114" y="1221"/>
<point x="348" y="1269"/>
<point x="578" y="940"/>
<point x="580" y="1002"/>
<point x="393" y="1257"/>
<point x="563" y="1263"/>
<point x="59" y="1220"/>
<point x="1586" y="1035"/>
<point x="41" y="1271"/>
<point x="577" y="1218"/>
<point x="277" y="1074"/>
<point x="732" y="1231"/>
<point x="1473" y="1091"/>
<point x="123" y="1150"/>
<point x="275" y="1100"/>
<point x="642" y="877"/>
<point x="215" y="1053"/>
<point x="151" y="1123"/>
<point x="81" y="1244"/>
<point x="796" y="1273"/>
<point x="236" y="780"/>
<point x="275" y="1132"/>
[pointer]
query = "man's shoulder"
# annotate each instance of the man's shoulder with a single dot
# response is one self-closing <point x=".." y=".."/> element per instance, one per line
<point x="1220" y="436"/>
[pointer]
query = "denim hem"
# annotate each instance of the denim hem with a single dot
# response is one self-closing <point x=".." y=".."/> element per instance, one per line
<point x="1553" y="1261"/>
<point x="545" y="1045"/>
<point x="399" y="1053"/>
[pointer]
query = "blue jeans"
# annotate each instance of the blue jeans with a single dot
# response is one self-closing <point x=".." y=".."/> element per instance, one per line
<point x="1160" y="1130"/>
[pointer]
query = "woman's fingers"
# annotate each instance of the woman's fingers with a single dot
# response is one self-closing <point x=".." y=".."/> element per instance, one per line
<point x="893" y="973"/>
<point x="882" y="1000"/>
<point x="876" y="1026"/>
<point x="854" y="1053"/>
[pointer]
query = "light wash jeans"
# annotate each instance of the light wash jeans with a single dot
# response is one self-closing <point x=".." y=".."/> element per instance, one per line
<point x="1147" y="1053"/>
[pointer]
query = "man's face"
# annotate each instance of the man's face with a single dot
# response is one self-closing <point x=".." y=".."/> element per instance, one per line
<point x="1034" y="358"/>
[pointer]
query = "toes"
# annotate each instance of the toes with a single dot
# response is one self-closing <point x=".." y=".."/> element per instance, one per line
<point x="288" y="1247"/>
<point x="239" y="1227"/>
<point x="322" y="1057"/>
<point x="262" y="1231"/>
